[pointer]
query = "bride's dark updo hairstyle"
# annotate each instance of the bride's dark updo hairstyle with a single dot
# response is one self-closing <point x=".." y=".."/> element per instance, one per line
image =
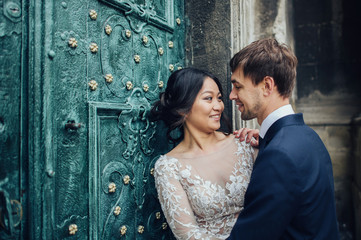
<point x="176" y="102"/>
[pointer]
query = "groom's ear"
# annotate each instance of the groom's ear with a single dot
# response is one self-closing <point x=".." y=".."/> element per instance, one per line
<point x="268" y="86"/>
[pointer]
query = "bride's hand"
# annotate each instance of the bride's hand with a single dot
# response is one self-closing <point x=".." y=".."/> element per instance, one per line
<point x="250" y="135"/>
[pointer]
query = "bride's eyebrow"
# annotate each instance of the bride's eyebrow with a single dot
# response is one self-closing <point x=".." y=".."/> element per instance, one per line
<point x="209" y="91"/>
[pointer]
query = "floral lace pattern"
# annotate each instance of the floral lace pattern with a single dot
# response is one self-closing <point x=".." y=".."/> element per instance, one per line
<point x="204" y="207"/>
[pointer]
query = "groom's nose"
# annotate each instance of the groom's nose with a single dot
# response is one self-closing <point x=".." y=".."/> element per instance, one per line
<point x="233" y="95"/>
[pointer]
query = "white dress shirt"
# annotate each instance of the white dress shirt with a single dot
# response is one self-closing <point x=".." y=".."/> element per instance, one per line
<point x="273" y="117"/>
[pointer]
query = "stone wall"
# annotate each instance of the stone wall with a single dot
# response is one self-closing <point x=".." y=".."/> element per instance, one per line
<point x="331" y="117"/>
<point x="208" y="40"/>
<point x="328" y="89"/>
<point x="338" y="143"/>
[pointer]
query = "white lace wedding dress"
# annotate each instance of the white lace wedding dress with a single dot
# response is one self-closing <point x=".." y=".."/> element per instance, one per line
<point x="201" y="197"/>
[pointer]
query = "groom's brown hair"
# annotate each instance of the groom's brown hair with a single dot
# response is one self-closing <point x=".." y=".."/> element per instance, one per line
<point x="266" y="57"/>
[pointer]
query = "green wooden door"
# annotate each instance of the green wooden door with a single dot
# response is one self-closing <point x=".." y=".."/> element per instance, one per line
<point x="92" y="69"/>
<point x="11" y="119"/>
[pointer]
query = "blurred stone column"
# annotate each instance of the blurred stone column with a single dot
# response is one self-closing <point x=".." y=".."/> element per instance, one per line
<point x="255" y="19"/>
<point x="242" y="33"/>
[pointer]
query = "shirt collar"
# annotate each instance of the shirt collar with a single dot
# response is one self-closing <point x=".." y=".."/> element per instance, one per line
<point x="273" y="117"/>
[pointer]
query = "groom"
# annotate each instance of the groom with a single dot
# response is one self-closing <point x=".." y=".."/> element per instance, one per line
<point x="291" y="192"/>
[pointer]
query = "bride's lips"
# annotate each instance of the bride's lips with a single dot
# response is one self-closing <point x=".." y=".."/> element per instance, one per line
<point x="216" y="116"/>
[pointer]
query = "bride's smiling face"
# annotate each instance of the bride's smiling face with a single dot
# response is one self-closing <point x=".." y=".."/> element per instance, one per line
<point x="206" y="111"/>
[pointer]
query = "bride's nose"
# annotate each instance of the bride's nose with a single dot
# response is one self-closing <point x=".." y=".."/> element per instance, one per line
<point x="218" y="106"/>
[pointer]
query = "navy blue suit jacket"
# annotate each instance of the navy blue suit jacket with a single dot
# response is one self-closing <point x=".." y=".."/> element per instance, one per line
<point x="291" y="191"/>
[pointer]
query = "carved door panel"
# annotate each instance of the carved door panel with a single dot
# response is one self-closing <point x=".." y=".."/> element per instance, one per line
<point x="106" y="62"/>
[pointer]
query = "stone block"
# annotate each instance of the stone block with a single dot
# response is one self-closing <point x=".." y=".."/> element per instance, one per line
<point x="344" y="209"/>
<point x="307" y="48"/>
<point x="336" y="138"/>
<point x="329" y="36"/>
<point x="339" y="138"/>
<point x="306" y="79"/>
<point x="322" y="132"/>
<point x="342" y="164"/>
<point x="357" y="156"/>
<point x="357" y="211"/>
<point x="312" y="12"/>
<point x="327" y="76"/>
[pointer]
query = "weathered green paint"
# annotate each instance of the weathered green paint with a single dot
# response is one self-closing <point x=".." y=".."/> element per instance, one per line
<point x="64" y="173"/>
<point x="10" y="117"/>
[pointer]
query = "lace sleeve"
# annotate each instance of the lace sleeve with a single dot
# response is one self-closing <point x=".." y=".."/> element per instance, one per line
<point x="174" y="201"/>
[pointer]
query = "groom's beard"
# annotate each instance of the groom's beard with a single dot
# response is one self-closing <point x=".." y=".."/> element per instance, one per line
<point x="253" y="107"/>
<point x="249" y="114"/>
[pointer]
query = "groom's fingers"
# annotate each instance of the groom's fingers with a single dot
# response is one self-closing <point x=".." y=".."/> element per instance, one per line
<point x="252" y="133"/>
<point x="254" y="143"/>
<point x="241" y="133"/>
<point x="248" y="134"/>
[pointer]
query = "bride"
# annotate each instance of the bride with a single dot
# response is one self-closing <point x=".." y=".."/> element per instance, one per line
<point x="201" y="182"/>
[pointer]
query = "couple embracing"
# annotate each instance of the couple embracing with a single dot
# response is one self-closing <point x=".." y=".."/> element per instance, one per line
<point x="279" y="185"/>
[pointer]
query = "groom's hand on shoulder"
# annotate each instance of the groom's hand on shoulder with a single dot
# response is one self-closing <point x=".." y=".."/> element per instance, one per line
<point x="248" y="135"/>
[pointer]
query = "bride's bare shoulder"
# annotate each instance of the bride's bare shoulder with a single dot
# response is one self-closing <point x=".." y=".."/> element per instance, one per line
<point x="224" y="137"/>
<point x="175" y="152"/>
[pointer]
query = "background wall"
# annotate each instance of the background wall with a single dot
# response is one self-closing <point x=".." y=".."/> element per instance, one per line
<point x="208" y="40"/>
<point x="328" y="92"/>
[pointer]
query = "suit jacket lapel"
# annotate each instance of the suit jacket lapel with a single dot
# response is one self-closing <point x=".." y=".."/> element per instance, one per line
<point x="261" y="143"/>
<point x="294" y="119"/>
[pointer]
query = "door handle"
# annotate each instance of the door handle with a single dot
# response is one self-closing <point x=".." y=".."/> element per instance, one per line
<point x="72" y="125"/>
<point x="11" y="213"/>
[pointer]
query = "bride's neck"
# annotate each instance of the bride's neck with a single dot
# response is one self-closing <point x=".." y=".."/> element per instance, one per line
<point x="202" y="142"/>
